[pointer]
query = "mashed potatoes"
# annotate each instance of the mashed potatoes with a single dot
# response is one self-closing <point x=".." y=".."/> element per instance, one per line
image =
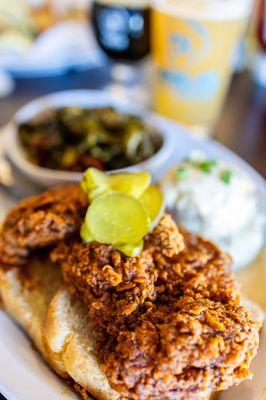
<point x="219" y="202"/>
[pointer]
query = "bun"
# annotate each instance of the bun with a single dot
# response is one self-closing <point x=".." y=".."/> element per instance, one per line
<point x="57" y="323"/>
<point x="71" y="338"/>
<point x="26" y="293"/>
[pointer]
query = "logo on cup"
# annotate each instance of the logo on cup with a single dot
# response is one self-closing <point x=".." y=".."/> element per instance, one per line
<point x="191" y="44"/>
<point x="202" y="87"/>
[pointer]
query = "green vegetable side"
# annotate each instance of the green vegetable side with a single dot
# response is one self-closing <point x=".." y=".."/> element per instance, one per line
<point x="74" y="139"/>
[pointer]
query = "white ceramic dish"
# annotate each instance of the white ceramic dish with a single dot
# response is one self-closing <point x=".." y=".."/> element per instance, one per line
<point x="87" y="99"/>
<point x="24" y="375"/>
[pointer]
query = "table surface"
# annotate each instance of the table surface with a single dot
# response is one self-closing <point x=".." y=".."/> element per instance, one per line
<point x="242" y="125"/>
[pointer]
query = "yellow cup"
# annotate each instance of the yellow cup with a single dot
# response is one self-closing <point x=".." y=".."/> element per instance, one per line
<point x="193" y="43"/>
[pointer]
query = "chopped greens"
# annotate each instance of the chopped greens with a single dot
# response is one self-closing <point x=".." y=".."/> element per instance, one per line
<point x="226" y="176"/>
<point x="182" y="172"/>
<point x="75" y="138"/>
<point x="207" y="166"/>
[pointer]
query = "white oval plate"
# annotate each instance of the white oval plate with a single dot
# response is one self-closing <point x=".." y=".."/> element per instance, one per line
<point x="24" y="375"/>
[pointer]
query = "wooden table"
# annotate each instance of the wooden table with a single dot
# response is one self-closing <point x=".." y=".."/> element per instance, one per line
<point x="242" y="126"/>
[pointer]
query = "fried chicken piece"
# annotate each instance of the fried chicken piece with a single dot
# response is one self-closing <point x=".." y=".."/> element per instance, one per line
<point x="116" y="285"/>
<point x="82" y="392"/>
<point x="112" y="284"/>
<point x="201" y="268"/>
<point x="42" y="221"/>
<point x="182" y="351"/>
<point x="170" y="323"/>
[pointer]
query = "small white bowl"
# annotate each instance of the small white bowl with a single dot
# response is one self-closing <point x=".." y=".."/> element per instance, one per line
<point x="87" y="99"/>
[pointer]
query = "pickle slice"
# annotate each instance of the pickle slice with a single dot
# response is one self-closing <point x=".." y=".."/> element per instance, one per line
<point x="85" y="234"/>
<point x="153" y="201"/>
<point x="132" y="184"/>
<point x="94" y="183"/>
<point x="117" y="218"/>
<point x="131" y="250"/>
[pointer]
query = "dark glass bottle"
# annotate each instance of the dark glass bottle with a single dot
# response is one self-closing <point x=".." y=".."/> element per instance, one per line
<point x="122" y="31"/>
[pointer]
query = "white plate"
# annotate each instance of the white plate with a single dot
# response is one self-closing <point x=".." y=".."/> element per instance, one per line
<point x="24" y="375"/>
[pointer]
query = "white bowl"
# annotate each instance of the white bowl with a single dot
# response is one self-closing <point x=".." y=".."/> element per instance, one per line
<point x="87" y="99"/>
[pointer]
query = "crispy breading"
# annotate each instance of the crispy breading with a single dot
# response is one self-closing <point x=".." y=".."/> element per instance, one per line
<point x="186" y="349"/>
<point x="83" y="393"/>
<point x="166" y="238"/>
<point x="170" y="323"/>
<point x="41" y="221"/>
<point x="113" y="284"/>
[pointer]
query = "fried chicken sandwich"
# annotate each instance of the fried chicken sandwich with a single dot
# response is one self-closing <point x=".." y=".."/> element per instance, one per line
<point x="119" y="299"/>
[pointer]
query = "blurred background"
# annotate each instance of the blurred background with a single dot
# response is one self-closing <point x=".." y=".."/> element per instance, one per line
<point x="207" y="70"/>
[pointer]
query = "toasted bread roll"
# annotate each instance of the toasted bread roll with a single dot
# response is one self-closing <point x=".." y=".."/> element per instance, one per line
<point x="56" y="322"/>
<point x="26" y="293"/>
<point x="70" y="337"/>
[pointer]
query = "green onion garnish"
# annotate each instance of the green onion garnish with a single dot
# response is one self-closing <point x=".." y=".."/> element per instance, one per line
<point x="226" y="176"/>
<point x="207" y="166"/>
<point x="182" y="173"/>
